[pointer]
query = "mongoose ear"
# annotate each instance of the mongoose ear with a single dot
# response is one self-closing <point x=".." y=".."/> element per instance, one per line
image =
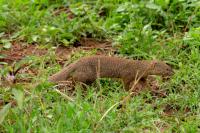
<point x="154" y="62"/>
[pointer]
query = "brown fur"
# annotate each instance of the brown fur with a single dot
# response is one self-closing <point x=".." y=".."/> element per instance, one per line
<point x="88" y="69"/>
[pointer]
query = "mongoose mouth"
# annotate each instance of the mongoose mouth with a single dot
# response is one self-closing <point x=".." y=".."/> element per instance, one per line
<point x="166" y="78"/>
<point x="50" y="79"/>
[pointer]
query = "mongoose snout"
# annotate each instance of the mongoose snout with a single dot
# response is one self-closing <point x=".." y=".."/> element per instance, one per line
<point x="164" y="69"/>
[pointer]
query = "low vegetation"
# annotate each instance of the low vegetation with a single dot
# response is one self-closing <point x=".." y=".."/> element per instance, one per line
<point x="33" y="33"/>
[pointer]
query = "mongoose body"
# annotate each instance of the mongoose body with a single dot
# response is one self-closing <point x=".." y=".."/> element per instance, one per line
<point x="88" y="69"/>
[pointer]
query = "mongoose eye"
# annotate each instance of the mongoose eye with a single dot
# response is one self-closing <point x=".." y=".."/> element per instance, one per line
<point x="169" y="64"/>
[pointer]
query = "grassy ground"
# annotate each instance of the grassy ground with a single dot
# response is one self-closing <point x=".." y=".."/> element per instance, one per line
<point x="163" y="29"/>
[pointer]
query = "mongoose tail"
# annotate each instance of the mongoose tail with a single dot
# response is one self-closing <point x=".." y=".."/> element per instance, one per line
<point x="62" y="75"/>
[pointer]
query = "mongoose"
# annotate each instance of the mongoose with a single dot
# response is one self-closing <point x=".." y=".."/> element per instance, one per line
<point x="88" y="69"/>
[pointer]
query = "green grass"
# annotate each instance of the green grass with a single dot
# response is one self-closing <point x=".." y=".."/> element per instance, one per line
<point x="165" y="30"/>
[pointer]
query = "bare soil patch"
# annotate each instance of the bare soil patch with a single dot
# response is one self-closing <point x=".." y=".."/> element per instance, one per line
<point x="19" y="51"/>
<point x="87" y="44"/>
<point x="62" y="9"/>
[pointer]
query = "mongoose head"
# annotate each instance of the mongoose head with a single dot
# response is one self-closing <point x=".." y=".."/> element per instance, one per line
<point x="51" y="79"/>
<point x="57" y="77"/>
<point x="161" y="68"/>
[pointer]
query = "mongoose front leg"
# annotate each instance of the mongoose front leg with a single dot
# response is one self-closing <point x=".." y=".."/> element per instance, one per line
<point x="136" y="87"/>
<point x="84" y="77"/>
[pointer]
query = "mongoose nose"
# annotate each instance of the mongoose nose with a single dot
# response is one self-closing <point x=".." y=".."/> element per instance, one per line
<point x="168" y="75"/>
<point x="50" y="80"/>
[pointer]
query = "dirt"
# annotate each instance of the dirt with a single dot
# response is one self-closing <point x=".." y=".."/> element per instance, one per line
<point x="19" y="51"/>
<point x="13" y="103"/>
<point x="87" y="44"/>
<point x="155" y="87"/>
<point x="62" y="9"/>
<point x="170" y="110"/>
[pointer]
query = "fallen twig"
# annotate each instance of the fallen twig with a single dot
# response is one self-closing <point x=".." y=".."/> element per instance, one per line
<point x="64" y="95"/>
